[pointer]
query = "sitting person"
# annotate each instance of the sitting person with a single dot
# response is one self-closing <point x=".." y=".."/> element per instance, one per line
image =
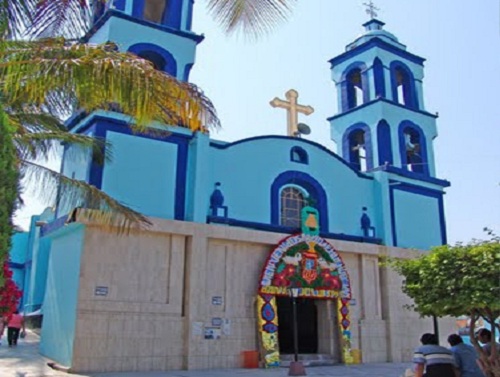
<point x="466" y="357"/>
<point x="484" y="336"/>
<point x="432" y="360"/>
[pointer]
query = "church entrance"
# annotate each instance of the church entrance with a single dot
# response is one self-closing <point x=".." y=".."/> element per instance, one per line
<point x="307" y="319"/>
<point x="308" y="267"/>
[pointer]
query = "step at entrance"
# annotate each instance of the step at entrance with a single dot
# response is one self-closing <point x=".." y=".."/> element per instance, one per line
<point x="308" y="360"/>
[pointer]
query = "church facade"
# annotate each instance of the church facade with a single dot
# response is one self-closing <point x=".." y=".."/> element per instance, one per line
<point x="238" y="226"/>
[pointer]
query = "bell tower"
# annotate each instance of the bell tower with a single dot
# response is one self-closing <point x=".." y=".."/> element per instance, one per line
<point x="156" y="30"/>
<point x="382" y="119"/>
<point x="382" y="128"/>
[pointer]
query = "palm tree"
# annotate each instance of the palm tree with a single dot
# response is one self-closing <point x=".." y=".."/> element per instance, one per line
<point x="253" y="18"/>
<point x="42" y="79"/>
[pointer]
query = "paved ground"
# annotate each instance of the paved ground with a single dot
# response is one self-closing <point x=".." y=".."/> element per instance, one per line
<point x="25" y="361"/>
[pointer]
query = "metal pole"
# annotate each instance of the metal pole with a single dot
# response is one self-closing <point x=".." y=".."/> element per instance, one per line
<point x="436" y="327"/>
<point x="295" y="331"/>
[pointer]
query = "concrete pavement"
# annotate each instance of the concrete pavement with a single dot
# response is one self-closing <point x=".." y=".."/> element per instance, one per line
<point x="25" y="361"/>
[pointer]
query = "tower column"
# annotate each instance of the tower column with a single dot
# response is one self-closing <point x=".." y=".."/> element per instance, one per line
<point x="419" y="88"/>
<point x="371" y="84"/>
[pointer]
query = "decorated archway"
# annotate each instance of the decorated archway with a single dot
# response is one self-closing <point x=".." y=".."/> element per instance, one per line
<point x="309" y="263"/>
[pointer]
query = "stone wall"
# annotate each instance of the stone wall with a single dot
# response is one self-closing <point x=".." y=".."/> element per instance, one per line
<point x="145" y="300"/>
<point x="404" y="326"/>
<point x="138" y="324"/>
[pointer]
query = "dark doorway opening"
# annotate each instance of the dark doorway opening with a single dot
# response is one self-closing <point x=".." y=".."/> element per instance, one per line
<point x="307" y="318"/>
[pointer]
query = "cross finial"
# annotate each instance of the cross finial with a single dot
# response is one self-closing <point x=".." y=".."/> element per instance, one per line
<point x="371" y="9"/>
<point x="293" y="110"/>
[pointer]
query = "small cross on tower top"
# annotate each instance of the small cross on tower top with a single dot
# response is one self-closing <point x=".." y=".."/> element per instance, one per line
<point x="371" y="9"/>
<point x="293" y="110"/>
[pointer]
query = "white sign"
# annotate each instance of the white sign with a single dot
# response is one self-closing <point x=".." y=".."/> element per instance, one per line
<point x="217" y="300"/>
<point x="226" y="326"/>
<point x="197" y="328"/>
<point x="101" y="291"/>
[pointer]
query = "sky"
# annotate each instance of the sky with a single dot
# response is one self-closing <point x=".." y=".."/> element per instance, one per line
<point x="460" y="40"/>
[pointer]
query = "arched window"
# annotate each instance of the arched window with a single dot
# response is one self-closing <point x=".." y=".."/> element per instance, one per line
<point x="308" y="186"/>
<point x="98" y="9"/>
<point x="162" y="59"/>
<point x="297" y="154"/>
<point x="164" y="12"/>
<point x="292" y="202"/>
<point x="413" y="148"/>
<point x="154" y="10"/>
<point x="356" y="147"/>
<point x="354" y="86"/>
<point x="158" y="61"/>
<point x="403" y="85"/>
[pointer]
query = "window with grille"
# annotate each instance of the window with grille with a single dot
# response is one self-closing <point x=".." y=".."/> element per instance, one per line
<point x="292" y="202"/>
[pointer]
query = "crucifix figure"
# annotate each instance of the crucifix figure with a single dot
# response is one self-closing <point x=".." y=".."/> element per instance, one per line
<point x="293" y="110"/>
<point x="371" y="9"/>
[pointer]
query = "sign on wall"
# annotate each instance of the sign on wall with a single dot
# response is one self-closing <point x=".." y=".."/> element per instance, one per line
<point x="101" y="291"/>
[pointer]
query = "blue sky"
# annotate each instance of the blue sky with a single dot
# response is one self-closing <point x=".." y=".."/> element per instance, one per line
<point x="461" y="42"/>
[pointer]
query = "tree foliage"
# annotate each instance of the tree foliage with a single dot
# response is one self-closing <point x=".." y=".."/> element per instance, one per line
<point x="9" y="293"/>
<point x="457" y="280"/>
<point x="8" y="187"/>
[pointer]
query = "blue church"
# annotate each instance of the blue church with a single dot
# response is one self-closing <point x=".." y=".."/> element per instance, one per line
<point x="218" y="209"/>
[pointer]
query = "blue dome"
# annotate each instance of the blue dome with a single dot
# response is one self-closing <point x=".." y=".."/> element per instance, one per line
<point x="374" y="29"/>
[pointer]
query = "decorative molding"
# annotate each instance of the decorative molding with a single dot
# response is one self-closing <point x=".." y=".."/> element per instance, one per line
<point x="305" y="141"/>
<point x="282" y="229"/>
<point x="119" y="14"/>
<point x="376" y="42"/>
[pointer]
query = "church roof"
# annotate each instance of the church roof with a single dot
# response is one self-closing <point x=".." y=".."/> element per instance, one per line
<point x="374" y="29"/>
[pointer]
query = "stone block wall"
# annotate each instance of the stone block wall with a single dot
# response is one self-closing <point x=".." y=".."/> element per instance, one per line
<point x="130" y="303"/>
<point x="146" y="301"/>
<point x="404" y="326"/>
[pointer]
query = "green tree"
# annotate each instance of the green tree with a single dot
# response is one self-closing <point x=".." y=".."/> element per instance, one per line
<point x="454" y="281"/>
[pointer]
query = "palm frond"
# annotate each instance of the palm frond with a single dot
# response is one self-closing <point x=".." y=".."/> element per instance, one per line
<point x="15" y="16"/>
<point x="44" y="145"/>
<point x="60" y="18"/>
<point x="32" y="122"/>
<point x="71" y="193"/>
<point x="253" y="17"/>
<point x="54" y="76"/>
